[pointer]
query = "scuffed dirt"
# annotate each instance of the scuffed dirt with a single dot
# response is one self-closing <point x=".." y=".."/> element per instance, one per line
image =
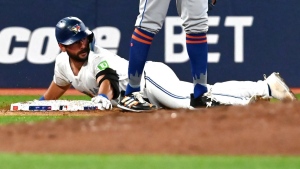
<point x="258" y="129"/>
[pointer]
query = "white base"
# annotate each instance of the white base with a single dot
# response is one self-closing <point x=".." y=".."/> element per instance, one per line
<point x="55" y="105"/>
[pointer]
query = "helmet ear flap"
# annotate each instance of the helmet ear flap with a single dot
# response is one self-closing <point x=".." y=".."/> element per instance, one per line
<point x="92" y="41"/>
<point x="91" y="38"/>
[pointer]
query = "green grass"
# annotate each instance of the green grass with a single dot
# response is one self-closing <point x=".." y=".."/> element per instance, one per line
<point x="27" y="119"/>
<point x="58" y="161"/>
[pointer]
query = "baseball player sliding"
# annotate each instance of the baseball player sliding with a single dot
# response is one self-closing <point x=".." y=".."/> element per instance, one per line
<point x="102" y="75"/>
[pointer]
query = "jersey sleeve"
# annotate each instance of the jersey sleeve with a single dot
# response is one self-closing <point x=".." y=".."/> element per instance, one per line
<point x="101" y="61"/>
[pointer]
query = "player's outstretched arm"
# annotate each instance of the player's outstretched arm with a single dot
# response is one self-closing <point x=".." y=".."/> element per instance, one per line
<point x="54" y="91"/>
<point x="106" y="88"/>
<point x="105" y="93"/>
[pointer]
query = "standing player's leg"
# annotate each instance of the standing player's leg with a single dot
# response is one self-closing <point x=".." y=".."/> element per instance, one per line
<point x="139" y="46"/>
<point x="195" y="22"/>
<point x="149" y="22"/>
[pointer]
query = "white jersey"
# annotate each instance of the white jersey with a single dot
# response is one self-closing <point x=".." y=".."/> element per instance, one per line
<point x="85" y="81"/>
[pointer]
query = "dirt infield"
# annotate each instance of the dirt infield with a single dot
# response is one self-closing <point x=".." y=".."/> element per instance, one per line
<point x="258" y="129"/>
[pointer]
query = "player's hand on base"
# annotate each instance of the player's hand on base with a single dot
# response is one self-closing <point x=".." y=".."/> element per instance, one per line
<point x="101" y="98"/>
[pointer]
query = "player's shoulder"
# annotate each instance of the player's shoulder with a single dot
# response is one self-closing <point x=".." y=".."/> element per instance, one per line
<point x="62" y="57"/>
<point x="62" y="60"/>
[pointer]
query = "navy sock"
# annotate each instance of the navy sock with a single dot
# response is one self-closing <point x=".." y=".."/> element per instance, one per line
<point x="139" y="46"/>
<point x="197" y="50"/>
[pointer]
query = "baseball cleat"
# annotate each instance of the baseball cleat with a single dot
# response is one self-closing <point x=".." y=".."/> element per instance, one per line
<point x="204" y="101"/>
<point x="279" y="89"/>
<point x="135" y="102"/>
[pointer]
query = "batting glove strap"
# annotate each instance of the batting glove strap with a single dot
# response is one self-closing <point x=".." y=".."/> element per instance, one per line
<point x="102" y="98"/>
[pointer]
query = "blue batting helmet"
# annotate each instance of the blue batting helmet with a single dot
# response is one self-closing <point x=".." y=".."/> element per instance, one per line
<point x="71" y="29"/>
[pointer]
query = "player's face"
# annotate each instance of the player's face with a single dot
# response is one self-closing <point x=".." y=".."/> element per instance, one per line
<point x="79" y="51"/>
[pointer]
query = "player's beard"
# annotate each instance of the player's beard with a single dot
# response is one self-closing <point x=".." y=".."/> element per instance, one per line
<point x="76" y="56"/>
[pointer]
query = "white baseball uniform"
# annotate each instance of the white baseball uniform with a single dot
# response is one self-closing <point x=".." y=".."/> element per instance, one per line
<point x="159" y="83"/>
<point x="152" y="14"/>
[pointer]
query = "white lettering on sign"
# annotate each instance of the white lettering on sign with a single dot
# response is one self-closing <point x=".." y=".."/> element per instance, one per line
<point x="40" y="45"/>
<point x="172" y="39"/>
<point x="108" y="38"/>
<point x="238" y="22"/>
<point x="17" y="54"/>
<point x="36" y="43"/>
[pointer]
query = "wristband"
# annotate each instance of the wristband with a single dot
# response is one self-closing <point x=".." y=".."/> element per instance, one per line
<point x="103" y="95"/>
<point x="42" y="98"/>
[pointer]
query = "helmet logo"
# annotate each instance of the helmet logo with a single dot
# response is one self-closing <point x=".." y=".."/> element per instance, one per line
<point x="75" y="28"/>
